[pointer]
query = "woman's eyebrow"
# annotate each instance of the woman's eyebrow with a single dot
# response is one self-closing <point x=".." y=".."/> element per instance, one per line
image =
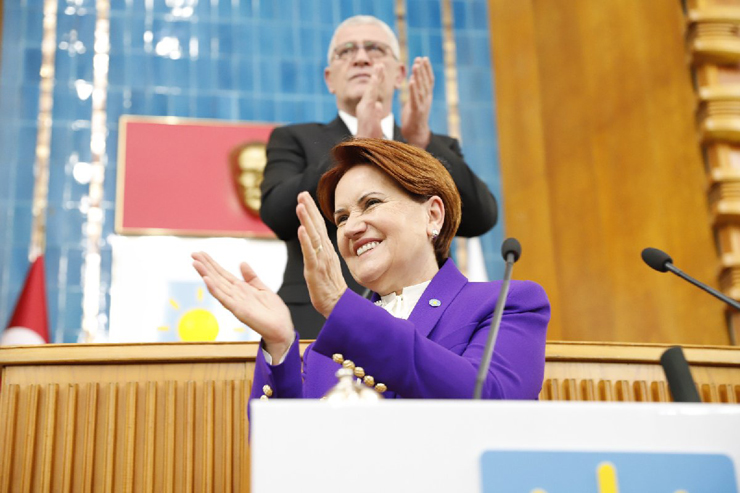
<point x="359" y="201"/>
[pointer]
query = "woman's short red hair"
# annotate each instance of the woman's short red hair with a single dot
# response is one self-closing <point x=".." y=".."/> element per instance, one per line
<point x="415" y="170"/>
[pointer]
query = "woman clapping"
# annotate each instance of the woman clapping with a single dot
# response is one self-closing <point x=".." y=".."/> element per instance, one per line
<point x="423" y="334"/>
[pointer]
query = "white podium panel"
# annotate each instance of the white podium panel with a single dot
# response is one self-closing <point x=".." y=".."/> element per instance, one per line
<point x="464" y="446"/>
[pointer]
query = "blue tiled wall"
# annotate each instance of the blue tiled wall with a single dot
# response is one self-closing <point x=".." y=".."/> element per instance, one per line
<point x="19" y="94"/>
<point x="258" y="60"/>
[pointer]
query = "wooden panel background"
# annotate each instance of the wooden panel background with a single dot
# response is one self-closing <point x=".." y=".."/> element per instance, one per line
<point x="122" y="418"/>
<point x="600" y="158"/>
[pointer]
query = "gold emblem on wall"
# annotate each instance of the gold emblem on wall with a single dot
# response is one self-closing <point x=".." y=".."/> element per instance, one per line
<point x="248" y="166"/>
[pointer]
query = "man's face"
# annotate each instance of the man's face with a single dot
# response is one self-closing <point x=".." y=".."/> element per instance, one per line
<point x="349" y="78"/>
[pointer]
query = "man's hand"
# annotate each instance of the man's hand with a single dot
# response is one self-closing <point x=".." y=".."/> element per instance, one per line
<point x="370" y="109"/>
<point x="415" y="113"/>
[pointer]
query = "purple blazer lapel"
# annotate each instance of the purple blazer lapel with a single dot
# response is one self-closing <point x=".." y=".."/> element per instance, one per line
<point x="437" y="298"/>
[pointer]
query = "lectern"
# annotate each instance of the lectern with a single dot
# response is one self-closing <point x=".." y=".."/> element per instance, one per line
<point x="488" y="446"/>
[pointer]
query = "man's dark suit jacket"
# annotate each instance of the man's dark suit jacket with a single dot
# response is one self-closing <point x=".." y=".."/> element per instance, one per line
<point x="297" y="156"/>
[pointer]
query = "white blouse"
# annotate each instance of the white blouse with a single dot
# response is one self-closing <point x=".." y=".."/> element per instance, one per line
<point x="401" y="306"/>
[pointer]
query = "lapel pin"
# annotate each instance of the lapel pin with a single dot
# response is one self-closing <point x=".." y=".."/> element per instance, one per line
<point x="435" y="302"/>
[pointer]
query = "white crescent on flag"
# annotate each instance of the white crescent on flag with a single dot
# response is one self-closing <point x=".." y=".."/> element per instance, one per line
<point x="20" y="336"/>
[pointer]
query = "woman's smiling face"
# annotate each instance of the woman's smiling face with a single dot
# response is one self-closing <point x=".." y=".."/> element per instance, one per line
<point x="383" y="234"/>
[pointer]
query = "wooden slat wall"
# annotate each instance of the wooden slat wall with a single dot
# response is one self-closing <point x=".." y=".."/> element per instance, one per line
<point x="600" y="158"/>
<point x="126" y="424"/>
<point x="632" y="373"/>
<point x="185" y="439"/>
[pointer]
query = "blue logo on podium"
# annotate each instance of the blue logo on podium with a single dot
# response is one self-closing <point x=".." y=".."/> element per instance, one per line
<point x="606" y="472"/>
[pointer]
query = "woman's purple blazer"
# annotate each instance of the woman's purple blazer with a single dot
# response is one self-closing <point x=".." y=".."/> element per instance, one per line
<point x="434" y="354"/>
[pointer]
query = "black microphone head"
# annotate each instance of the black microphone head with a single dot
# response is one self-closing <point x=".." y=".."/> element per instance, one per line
<point x="657" y="259"/>
<point x="511" y="245"/>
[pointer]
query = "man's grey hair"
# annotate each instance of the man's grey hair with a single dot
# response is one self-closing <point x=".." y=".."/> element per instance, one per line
<point x="364" y="20"/>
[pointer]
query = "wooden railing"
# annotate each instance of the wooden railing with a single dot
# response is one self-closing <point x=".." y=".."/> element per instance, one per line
<point x="583" y="371"/>
<point x="172" y="417"/>
<point x="713" y="43"/>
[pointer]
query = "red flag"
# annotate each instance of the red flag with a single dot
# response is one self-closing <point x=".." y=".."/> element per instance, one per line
<point x="30" y="323"/>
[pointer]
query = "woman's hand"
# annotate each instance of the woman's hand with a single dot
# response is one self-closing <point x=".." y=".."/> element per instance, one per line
<point x="250" y="301"/>
<point x="321" y="269"/>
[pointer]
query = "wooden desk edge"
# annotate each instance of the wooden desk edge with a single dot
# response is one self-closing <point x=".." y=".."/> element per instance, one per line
<point x="131" y="353"/>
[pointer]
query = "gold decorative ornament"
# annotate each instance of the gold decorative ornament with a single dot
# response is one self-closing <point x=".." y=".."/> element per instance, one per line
<point x="349" y="368"/>
<point x="248" y="167"/>
<point x="350" y="390"/>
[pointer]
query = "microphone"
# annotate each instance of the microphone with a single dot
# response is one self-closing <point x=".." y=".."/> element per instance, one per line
<point x="678" y="374"/>
<point x="511" y="250"/>
<point x="662" y="262"/>
<point x="657" y="259"/>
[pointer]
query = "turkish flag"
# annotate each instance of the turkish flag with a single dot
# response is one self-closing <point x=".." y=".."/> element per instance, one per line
<point x="30" y="323"/>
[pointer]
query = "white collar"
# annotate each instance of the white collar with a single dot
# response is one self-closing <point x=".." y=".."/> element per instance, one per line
<point x="386" y="124"/>
<point x="402" y="305"/>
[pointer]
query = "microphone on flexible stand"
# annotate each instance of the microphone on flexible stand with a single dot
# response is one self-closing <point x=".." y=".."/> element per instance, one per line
<point x="674" y="364"/>
<point x="662" y="262"/>
<point x="511" y="250"/>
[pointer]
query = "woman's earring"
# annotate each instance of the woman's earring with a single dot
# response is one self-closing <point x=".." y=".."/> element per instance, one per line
<point x="435" y="234"/>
